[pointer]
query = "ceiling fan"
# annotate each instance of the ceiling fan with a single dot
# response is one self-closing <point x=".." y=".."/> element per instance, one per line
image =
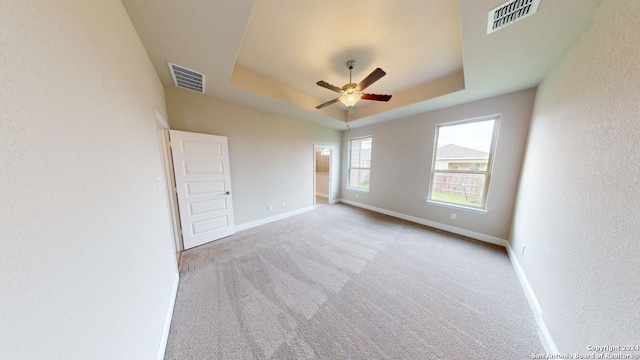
<point x="352" y="93"/>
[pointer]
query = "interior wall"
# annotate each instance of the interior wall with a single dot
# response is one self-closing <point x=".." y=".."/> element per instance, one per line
<point x="577" y="207"/>
<point x="88" y="265"/>
<point x="402" y="153"/>
<point x="271" y="156"/>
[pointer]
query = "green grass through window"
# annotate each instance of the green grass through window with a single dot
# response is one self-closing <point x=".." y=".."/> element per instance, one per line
<point x="458" y="199"/>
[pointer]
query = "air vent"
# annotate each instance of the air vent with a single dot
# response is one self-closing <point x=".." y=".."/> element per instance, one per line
<point x="186" y="78"/>
<point x="510" y="12"/>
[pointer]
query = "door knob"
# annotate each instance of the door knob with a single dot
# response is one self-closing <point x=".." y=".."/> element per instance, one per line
<point x="227" y="193"/>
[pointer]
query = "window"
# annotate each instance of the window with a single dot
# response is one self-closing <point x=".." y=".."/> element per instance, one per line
<point x="461" y="168"/>
<point x="359" y="163"/>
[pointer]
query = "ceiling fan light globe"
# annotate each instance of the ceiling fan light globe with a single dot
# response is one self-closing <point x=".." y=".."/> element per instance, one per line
<point x="351" y="97"/>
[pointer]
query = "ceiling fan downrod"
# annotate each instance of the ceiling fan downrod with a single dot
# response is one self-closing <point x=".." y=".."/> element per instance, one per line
<point x="350" y="64"/>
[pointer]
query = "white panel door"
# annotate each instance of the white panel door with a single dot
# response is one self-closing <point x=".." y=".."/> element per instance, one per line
<point x="203" y="182"/>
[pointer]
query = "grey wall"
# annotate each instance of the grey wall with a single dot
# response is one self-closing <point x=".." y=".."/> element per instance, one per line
<point x="88" y="264"/>
<point x="577" y="208"/>
<point x="402" y="153"/>
<point x="271" y="156"/>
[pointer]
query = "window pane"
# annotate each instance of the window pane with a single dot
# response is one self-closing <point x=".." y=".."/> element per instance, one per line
<point x="464" y="146"/>
<point x="460" y="189"/>
<point x="361" y="152"/>
<point x="359" y="178"/>
<point x="359" y="163"/>
<point x="461" y="163"/>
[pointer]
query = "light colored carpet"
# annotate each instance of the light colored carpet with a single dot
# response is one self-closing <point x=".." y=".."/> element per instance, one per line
<point x="344" y="283"/>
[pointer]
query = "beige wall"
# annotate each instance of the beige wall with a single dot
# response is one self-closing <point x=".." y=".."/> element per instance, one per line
<point x="271" y="156"/>
<point x="577" y="208"/>
<point x="88" y="264"/>
<point x="402" y="153"/>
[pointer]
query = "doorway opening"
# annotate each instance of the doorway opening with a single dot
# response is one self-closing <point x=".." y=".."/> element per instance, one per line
<point x="322" y="175"/>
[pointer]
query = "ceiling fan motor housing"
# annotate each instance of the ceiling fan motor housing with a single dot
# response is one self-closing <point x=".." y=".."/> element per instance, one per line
<point x="349" y="88"/>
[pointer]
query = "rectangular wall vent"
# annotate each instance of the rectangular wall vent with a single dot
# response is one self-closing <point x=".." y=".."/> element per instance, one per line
<point x="510" y="12"/>
<point x="187" y="78"/>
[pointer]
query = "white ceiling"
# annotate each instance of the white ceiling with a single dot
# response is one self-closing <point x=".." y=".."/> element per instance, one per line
<point x="268" y="54"/>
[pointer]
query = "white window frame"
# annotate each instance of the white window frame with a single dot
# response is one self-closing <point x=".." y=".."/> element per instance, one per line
<point x="349" y="167"/>
<point x="487" y="173"/>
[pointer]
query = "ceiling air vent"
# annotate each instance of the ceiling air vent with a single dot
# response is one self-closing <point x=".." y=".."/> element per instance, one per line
<point x="510" y="12"/>
<point x="186" y="78"/>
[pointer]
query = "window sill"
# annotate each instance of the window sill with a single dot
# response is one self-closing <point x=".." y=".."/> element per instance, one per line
<point x="457" y="207"/>
<point x="358" y="190"/>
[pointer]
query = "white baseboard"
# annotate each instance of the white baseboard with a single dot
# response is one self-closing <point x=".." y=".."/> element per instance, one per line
<point x="167" y="321"/>
<point x="543" y="332"/>
<point x="252" y="224"/>
<point x="322" y="195"/>
<point x="472" y="234"/>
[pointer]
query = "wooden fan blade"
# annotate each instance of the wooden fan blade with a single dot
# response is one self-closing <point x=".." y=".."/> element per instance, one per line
<point x="326" y="85"/>
<point x="376" y="97"/>
<point x="373" y="77"/>
<point x="328" y="103"/>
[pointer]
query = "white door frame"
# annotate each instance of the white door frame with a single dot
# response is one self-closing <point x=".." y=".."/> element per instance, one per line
<point x="162" y="128"/>
<point x="315" y="147"/>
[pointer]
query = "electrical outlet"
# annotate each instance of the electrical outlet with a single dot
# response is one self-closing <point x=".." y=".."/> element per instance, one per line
<point x="523" y="249"/>
<point x="453" y="216"/>
<point x="357" y="196"/>
<point x="270" y="207"/>
<point x="284" y="205"/>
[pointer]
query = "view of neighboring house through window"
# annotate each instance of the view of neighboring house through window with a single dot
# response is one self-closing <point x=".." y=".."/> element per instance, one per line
<point x="359" y="163"/>
<point x="462" y="162"/>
